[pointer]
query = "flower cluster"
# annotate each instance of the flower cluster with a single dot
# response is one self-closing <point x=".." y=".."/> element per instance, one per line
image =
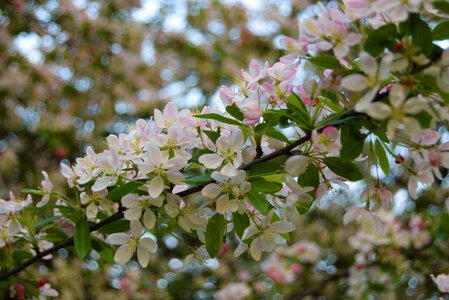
<point x="280" y="144"/>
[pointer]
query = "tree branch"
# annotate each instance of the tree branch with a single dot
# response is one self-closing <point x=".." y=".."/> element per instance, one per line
<point x="119" y="215"/>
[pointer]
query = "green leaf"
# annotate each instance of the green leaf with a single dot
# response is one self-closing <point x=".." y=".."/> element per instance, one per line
<point x="55" y="237"/>
<point x="429" y="83"/>
<point x="380" y="39"/>
<point x="343" y="168"/>
<point x="442" y="6"/>
<point x="311" y="177"/>
<point x="117" y="193"/>
<point x="213" y="135"/>
<point x="294" y="103"/>
<point x="103" y="249"/>
<point x="31" y="290"/>
<point x="424" y="119"/>
<point x="382" y="158"/>
<point x="352" y="142"/>
<point x="46" y="221"/>
<point x="219" y="118"/>
<point x="259" y="202"/>
<point x="441" y="31"/>
<point x="116" y="226"/>
<point x="198" y="179"/>
<point x="241" y="222"/>
<point x="20" y="255"/>
<point x="298" y="112"/>
<point x="32" y="191"/>
<point x="71" y="213"/>
<point x="303" y="207"/>
<point x="275" y="134"/>
<point x="166" y="226"/>
<point x="235" y="112"/>
<point x="266" y="168"/>
<point x="82" y="238"/>
<point x="215" y="231"/>
<point x="326" y="62"/>
<point x="258" y="184"/>
<point x="420" y="32"/>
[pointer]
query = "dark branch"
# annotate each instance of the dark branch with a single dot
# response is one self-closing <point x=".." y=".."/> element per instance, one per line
<point x="119" y="215"/>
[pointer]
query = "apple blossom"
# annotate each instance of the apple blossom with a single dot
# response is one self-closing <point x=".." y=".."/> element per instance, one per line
<point x="375" y="75"/>
<point x="228" y="152"/>
<point x="400" y="110"/>
<point x="128" y="245"/>
<point x="159" y="164"/>
<point x="47" y="188"/>
<point x="267" y="235"/>
<point x="137" y="205"/>
<point x="94" y="202"/>
<point x="442" y="282"/>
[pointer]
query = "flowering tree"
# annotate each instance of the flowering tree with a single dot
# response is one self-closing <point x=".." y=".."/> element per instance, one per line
<point x="373" y="108"/>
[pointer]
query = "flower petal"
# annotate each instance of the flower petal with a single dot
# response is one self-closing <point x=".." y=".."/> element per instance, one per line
<point x="123" y="254"/>
<point x="211" y="161"/>
<point x="149" y="219"/>
<point x="156" y="186"/>
<point x="143" y="256"/>
<point x="149" y="244"/>
<point x="256" y="249"/>
<point x="355" y="82"/>
<point x="136" y="228"/>
<point x="118" y="238"/>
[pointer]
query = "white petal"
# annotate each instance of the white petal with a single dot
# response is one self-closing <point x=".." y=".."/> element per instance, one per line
<point x="101" y="183"/>
<point x="236" y="140"/>
<point x="133" y="213"/>
<point x="397" y="95"/>
<point x="159" y="118"/>
<point x="149" y="219"/>
<point x="136" y="228"/>
<point x="352" y="214"/>
<point x="211" y="161"/>
<point x="84" y="198"/>
<point x="212" y="190"/>
<point x="130" y="200"/>
<point x="156" y="186"/>
<point x="222" y="205"/>
<point x="296" y="165"/>
<point x="355" y="82"/>
<point x="170" y="112"/>
<point x="91" y="211"/>
<point x="149" y="244"/>
<point x="256" y="249"/>
<point x="385" y="66"/>
<point x="282" y="226"/>
<point x="241" y="248"/>
<point x="249" y="232"/>
<point x="366" y="99"/>
<point x="143" y="256"/>
<point x="118" y="238"/>
<point x="123" y="254"/>
<point x="66" y="171"/>
<point x="44" y="200"/>
<point x="368" y="64"/>
<point x="414" y="105"/>
<point x="340" y="50"/>
<point x="229" y="170"/>
<point x="174" y="176"/>
<point x="379" y="110"/>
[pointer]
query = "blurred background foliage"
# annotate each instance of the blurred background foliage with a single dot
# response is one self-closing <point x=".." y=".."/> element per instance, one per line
<point x="73" y="71"/>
